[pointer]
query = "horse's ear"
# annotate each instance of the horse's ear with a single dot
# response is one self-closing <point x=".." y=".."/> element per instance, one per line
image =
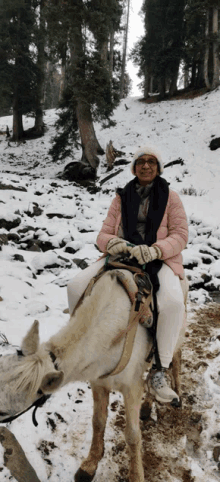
<point x="30" y="342"/>
<point x="51" y="382"/>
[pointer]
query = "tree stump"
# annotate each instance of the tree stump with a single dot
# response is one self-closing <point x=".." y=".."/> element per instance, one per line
<point x="15" y="459"/>
<point x="110" y="155"/>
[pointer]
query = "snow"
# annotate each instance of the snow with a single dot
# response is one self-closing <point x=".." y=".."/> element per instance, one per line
<point x="71" y="218"/>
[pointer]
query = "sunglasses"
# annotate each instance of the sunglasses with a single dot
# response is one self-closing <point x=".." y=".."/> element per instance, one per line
<point x="150" y="162"/>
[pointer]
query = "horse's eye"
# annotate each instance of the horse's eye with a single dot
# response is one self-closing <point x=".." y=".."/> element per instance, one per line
<point x="19" y="353"/>
<point x="2" y="414"/>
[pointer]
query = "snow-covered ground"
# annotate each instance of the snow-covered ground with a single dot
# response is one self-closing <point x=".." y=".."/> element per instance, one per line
<point x="37" y="208"/>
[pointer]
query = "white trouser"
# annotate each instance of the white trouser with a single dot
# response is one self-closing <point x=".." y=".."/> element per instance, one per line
<point x="170" y="302"/>
<point x="171" y="310"/>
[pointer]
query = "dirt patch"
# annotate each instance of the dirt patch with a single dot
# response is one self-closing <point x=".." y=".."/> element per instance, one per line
<point x="181" y="94"/>
<point x="174" y="435"/>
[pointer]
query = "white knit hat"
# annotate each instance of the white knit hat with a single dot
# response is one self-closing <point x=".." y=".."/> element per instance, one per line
<point x="147" y="150"/>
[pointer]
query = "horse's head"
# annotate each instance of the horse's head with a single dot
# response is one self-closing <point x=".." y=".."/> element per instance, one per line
<point x="26" y="375"/>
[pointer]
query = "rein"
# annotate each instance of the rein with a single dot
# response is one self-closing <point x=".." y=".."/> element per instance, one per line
<point x="38" y="403"/>
<point x="141" y="300"/>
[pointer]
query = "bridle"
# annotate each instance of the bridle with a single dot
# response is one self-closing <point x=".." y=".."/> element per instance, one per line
<point x="38" y="403"/>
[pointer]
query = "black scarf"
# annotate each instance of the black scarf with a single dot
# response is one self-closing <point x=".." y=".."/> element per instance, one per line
<point x="130" y="201"/>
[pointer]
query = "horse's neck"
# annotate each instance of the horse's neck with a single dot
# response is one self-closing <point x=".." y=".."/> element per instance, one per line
<point x="83" y="347"/>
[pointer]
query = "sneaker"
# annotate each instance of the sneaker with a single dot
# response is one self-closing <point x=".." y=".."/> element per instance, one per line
<point x="158" y="385"/>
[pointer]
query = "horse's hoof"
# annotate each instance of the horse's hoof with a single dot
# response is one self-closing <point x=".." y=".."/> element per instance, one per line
<point x="82" y="476"/>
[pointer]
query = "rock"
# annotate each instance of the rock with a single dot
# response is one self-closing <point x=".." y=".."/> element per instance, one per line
<point x="190" y="265"/>
<point x="25" y="229"/>
<point x="70" y="250"/>
<point x="214" y="144"/>
<point x="34" y="247"/>
<point x="76" y="171"/>
<point x="3" y="239"/>
<point x="11" y="187"/>
<point x="58" y="215"/>
<point x="210" y="286"/>
<point x="49" y="260"/>
<point x="45" y="245"/>
<point x="81" y="263"/>
<point x="4" y="223"/>
<point x="18" y="257"/>
<point x="13" y="237"/>
<point x="36" y="211"/>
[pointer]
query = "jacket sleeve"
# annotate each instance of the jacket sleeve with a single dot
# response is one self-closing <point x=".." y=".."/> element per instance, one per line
<point x="108" y="229"/>
<point x="177" y="229"/>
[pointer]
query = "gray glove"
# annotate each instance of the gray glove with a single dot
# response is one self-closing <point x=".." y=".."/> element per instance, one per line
<point x="144" y="254"/>
<point x="117" y="245"/>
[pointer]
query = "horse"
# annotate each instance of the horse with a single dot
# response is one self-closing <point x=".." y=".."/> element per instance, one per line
<point x="82" y="350"/>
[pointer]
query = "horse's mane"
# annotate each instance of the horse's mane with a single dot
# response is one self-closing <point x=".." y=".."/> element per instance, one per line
<point x="27" y="375"/>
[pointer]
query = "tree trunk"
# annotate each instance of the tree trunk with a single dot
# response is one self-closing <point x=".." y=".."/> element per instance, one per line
<point x="173" y="83"/>
<point x="90" y="145"/>
<point x="17" y="117"/>
<point x="125" y="43"/>
<point x="193" y="74"/>
<point x="147" y="80"/>
<point x="162" y="87"/>
<point x="215" y="80"/>
<point x="207" y="52"/>
<point x="111" y="54"/>
<point x="186" y="77"/>
<point x="39" y="112"/>
<point x="62" y="81"/>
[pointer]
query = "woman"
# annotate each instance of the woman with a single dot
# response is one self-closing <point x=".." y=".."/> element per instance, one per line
<point x="148" y="215"/>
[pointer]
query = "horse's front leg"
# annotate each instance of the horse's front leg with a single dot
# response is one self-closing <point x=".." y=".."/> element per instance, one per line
<point x="132" y="399"/>
<point x="100" y="411"/>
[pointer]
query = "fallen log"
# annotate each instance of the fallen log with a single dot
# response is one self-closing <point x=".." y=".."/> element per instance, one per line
<point x="15" y="459"/>
<point x="110" y="176"/>
<point x="172" y="163"/>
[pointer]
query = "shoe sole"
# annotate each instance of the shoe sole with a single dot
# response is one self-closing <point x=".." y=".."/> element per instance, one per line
<point x="163" y="400"/>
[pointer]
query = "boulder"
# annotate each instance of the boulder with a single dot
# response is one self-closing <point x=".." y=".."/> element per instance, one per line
<point x="214" y="144"/>
<point x="76" y="171"/>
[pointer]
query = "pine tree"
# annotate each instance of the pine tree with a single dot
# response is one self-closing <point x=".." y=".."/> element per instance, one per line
<point x="159" y="52"/>
<point x="91" y="93"/>
<point x="194" y="43"/>
<point x="18" y="70"/>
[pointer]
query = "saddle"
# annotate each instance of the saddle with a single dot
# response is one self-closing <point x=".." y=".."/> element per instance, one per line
<point x="139" y="290"/>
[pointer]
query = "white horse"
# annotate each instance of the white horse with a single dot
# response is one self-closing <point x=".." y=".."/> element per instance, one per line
<point x="83" y="350"/>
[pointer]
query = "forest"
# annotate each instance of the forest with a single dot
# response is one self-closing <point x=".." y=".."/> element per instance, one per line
<point x="71" y="55"/>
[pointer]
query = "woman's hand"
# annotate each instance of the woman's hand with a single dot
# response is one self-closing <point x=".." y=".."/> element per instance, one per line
<point x="117" y="245"/>
<point x="144" y="254"/>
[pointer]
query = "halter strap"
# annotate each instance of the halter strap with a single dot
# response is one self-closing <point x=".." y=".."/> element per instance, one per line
<point x="38" y="403"/>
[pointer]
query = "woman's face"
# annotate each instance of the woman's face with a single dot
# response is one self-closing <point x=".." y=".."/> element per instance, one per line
<point x="146" y="169"/>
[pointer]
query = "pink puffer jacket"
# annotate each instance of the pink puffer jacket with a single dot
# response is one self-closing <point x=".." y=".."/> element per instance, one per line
<point x="172" y="234"/>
